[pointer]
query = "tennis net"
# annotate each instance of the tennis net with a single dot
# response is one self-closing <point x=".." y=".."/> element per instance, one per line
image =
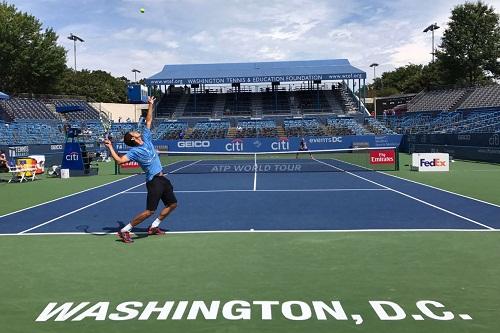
<point x="353" y="159"/>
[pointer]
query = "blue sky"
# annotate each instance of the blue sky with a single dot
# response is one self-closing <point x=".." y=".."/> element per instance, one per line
<point x="119" y="38"/>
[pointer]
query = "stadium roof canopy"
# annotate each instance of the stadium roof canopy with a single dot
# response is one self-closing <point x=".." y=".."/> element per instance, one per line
<point x="4" y="96"/>
<point x="257" y="72"/>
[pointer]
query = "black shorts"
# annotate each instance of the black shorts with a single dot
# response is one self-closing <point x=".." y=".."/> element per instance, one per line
<point x="159" y="188"/>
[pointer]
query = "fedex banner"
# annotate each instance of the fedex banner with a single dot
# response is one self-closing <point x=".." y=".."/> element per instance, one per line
<point x="430" y="161"/>
<point x="253" y="145"/>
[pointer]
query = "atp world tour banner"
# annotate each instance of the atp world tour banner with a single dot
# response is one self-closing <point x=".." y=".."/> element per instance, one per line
<point x="254" y="145"/>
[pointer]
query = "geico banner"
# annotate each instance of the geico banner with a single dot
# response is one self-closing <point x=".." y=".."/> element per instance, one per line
<point x="430" y="161"/>
<point x="279" y="144"/>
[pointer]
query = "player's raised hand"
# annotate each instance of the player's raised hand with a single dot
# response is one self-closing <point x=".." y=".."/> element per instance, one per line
<point x="108" y="143"/>
<point x="151" y="100"/>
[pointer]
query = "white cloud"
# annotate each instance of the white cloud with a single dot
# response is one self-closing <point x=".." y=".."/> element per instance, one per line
<point x="118" y="37"/>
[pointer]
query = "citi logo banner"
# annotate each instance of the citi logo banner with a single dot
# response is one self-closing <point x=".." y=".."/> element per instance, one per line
<point x="234" y="145"/>
<point x="73" y="156"/>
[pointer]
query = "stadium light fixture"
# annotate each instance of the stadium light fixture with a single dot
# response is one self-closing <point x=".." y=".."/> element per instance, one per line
<point x="135" y="71"/>
<point x="374" y="65"/>
<point x="431" y="28"/>
<point x="75" y="38"/>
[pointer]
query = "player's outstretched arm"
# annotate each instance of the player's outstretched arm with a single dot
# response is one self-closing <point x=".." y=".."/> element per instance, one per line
<point x="149" y="115"/>
<point x="119" y="159"/>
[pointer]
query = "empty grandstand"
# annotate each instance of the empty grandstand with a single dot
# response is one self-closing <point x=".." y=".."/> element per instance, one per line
<point x="210" y="130"/>
<point x="257" y="106"/>
<point x="303" y="127"/>
<point x="256" y="128"/>
<point x="461" y="110"/>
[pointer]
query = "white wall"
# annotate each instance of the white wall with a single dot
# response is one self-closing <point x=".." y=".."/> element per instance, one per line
<point x="116" y="110"/>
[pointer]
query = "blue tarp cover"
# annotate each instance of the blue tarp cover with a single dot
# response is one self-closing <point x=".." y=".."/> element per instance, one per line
<point x="68" y="108"/>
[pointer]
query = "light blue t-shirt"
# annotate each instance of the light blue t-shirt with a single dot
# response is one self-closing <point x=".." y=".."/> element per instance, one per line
<point x="146" y="155"/>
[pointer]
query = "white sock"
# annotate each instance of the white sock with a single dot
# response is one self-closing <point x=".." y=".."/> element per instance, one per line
<point x="155" y="223"/>
<point x="127" y="228"/>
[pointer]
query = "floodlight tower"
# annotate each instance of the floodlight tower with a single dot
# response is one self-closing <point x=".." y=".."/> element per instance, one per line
<point x="75" y="38"/>
<point x="431" y="28"/>
<point x="374" y="65"/>
<point x="135" y="71"/>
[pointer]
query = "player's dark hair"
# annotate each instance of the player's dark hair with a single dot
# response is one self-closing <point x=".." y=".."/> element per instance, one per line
<point x="127" y="138"/>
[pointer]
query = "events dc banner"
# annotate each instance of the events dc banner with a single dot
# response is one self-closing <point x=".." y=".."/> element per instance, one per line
<point x="254" y="145"/>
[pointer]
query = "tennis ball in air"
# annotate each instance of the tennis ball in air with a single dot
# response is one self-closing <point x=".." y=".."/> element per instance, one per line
<point x="142" y="10"/>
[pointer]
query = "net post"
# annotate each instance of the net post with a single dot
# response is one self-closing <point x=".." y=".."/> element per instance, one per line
<point x="396" y="152"/>
<point x="116" y="168"/>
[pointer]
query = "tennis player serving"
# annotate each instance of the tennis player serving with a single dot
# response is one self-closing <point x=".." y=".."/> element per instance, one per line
<point x="143" y="152"/>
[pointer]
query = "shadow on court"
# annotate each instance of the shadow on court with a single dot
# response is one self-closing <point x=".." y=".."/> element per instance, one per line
<point x="138" y="232"/>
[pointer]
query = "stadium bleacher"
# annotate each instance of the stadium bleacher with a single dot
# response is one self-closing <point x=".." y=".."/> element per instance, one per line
<point x="312" y="101"/>
<point x="27" y="108"/>
<point x="303" y="127"/>
<point x="256" y="128"/>
<point x="276" y="102"/>
<point x="200" y="105"/>
<point x="210" y="130"/>
<point x="345" y="126"/>
<point x="169" y="130"/>
<point x="438" y="100"/>
<point x="462" y="110"/>
<point x="31" y="131"/>
<point x="238" y="104"/>
<point x="168" y="104"/>
<point x="88" y="112"/>
<point x="376" y="127"/>
<point x="482" y="97"/>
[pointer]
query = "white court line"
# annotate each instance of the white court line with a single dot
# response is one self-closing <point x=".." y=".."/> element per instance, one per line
<point x="256" y="231"/>
<point x="184" y="167"/>
<point x="430" y="186"/>
<point x="90" y="205"/>
<point x="70" y="195"/>
<point x="440" y="189"/>
<point x="255" y="173"/>
<point x="412" y="197"/>
<point x="77" y="210"/>
<point x="276" y="190"/>
<point x="66" y="196"/>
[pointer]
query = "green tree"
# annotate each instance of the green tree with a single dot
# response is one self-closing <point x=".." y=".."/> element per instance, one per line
<point x="30" y="59"/>
<point x="470" y="49"/>
<point x="96" y="85"/>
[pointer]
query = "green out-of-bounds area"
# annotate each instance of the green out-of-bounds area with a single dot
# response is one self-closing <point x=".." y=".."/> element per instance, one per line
<point x="457" y="270"/>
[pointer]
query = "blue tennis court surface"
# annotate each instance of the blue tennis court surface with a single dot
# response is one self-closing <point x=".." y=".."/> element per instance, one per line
<point x="263" y="201"/>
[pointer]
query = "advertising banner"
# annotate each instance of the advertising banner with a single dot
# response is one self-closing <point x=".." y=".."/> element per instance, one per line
<point x="253" y="145"/>
<point x="430" y="161"/>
